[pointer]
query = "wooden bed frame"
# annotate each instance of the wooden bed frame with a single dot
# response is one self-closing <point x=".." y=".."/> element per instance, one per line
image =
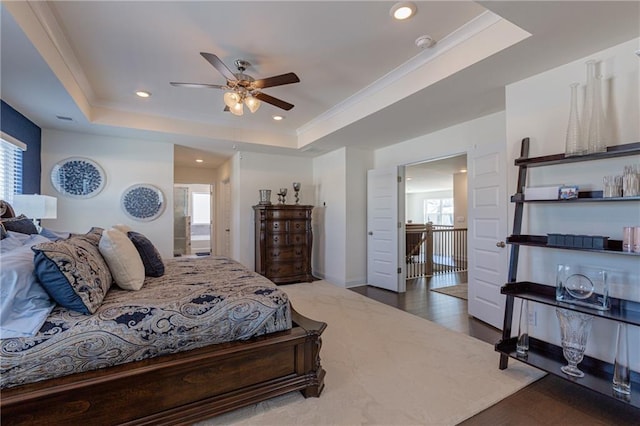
<point x="177" y="389"/>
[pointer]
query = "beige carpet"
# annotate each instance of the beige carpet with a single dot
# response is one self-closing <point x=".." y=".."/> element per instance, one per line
<point x="460" y="290"/>
<point x="387" y="367"/>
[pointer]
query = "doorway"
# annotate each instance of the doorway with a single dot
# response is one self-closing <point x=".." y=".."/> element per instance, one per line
<point x="436" y="220"/>
<point x="193" y="230"/>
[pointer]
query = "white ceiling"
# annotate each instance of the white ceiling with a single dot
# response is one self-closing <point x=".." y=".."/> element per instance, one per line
<point x="364" y="82"/>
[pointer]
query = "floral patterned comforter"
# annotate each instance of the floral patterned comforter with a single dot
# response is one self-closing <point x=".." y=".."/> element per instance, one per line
<point x="198" y="302"/>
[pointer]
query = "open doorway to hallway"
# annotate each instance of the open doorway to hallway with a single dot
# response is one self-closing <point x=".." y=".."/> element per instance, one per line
<point x="436" y="223"/>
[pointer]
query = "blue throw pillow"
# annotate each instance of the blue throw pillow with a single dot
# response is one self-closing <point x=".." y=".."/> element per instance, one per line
<point x="73" y="272"/>
<point x="153" y="265"/>
<point x="20" y="224"/>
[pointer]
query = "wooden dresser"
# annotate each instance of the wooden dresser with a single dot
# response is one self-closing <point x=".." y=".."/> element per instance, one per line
<point x="283" y="242"/>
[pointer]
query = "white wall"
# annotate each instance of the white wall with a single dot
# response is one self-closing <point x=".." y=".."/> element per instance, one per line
<point x="330" y="217"/>
<point x="126" y="162"/>
<point x="257" y="171"/>
<point x="460" y="200"/>
<point x="538" y="107"/>
<point x="456" y="139"/>
<point x="194" y="175"/>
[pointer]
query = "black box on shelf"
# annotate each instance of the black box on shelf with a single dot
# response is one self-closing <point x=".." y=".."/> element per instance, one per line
<point x="596" y="242"/>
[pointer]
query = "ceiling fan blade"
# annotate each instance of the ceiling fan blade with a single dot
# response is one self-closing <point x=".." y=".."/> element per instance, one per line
<point x="277" y="80"/>
<point x="273" y="101"/>
<point x="198" y="85"/>
<point x="219" y="65"/>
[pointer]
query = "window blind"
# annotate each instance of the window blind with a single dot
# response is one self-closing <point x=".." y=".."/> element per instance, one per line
<point x="10" y="168"/>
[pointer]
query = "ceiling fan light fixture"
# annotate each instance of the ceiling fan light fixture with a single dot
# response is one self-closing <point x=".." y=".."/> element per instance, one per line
<point x="231" y="99"/>
<point x="252" y="103"/>
<point x="403" y="10"/>
<point x="237" y="109"/>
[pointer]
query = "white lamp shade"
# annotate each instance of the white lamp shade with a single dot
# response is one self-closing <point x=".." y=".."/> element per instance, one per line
<point x="252" y="103"/>
<point x="237" y="109"/>
<point x="36" y="206"/>
<point x="231" y="98"/>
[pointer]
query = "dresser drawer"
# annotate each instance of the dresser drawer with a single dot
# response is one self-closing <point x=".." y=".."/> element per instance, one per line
<point x="297" y="239"/>
<point x="276" y="225"/>
<point x="284" y="269"/>
<point x="282" y="225"/>
<point x="288" y="214"/>
<point x="287" y="253"/>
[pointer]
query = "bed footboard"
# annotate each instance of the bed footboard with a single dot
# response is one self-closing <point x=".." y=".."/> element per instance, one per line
<point x="180" y="388"/>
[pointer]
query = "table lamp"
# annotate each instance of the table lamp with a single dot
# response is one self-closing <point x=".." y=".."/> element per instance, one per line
<point x="36" y="207"/>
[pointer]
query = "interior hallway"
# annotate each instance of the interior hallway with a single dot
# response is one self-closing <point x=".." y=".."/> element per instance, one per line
<point x="549" y="401"/>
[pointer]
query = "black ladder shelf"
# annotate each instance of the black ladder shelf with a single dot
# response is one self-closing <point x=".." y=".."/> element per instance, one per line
<point x="543" y="355"/>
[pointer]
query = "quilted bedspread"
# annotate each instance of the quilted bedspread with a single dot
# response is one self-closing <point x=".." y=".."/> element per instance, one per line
<point x="198" y="302"/>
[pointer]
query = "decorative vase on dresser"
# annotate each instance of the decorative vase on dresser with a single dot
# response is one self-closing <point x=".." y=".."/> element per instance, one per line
<point x="283" y="242"/>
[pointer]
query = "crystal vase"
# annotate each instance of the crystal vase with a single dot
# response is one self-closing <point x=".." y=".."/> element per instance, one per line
<point x="574" y="331"/>
<point x="621" y="371"/>
<point x="522" y="345"/>
<point x="574" y="143"/>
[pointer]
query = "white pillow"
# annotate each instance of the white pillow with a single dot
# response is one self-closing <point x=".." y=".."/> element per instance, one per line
<point x="122" y="228"/>
<point x="123" y="259"/>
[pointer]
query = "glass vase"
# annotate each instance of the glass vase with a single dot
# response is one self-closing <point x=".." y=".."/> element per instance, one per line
<point x="588" y="104"/>
<point x="621" y="371"/>
<point x="522" y="345"/>
<point x="574" y="331"/>
<point x="596" y="140"/>
<point x="574" y="143"/>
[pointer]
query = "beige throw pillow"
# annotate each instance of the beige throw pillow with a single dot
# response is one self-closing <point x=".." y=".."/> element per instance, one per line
<point x="123" y="259"/>
<point x="122" y="227"/>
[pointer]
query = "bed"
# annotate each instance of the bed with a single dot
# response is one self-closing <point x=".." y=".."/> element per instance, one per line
<point x="213" y="372"/>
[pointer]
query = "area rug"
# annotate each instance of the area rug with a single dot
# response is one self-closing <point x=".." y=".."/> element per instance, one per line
<point x="459" y="290"/>
<point x="387" y="367"/>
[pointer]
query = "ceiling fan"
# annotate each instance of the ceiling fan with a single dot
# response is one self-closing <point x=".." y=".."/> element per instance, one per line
<point x="242" y="88"/>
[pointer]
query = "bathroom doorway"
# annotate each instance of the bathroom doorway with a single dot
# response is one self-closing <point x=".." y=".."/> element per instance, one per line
<point x="193" y="230"/>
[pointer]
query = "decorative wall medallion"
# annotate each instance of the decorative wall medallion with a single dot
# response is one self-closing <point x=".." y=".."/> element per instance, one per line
<point x="143" y="202"/>
<point x="78" y="177"/>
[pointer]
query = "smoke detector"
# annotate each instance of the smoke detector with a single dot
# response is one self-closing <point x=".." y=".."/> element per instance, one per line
<point x="425" y="41"/>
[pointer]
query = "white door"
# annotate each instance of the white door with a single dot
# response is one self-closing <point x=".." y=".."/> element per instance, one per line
<point x="488" y="257"/>
<point x="385" y="229"/>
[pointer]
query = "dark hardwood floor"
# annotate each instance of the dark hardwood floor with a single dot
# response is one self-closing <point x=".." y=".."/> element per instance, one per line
<point x="549" y="401"/>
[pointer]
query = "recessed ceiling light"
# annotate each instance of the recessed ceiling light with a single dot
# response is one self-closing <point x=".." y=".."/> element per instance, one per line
<point x="143" y="94"/>
<point x="403" y="10"/>
<point x="278" y="117"/>
<point x="199" y="160"/>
